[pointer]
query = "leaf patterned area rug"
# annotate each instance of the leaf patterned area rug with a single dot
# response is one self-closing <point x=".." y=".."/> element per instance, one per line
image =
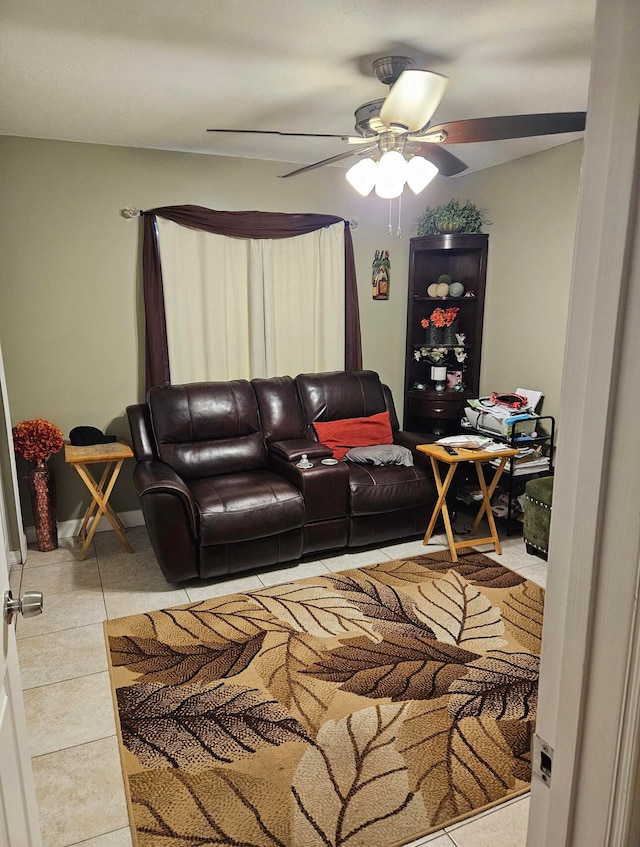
<point x="364" y="708"/>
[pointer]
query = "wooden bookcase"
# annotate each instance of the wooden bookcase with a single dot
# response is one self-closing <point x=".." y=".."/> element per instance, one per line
<point x="464" y="259"/>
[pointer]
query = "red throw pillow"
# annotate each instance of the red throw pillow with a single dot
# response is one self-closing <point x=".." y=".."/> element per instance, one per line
<point x="341" y="436"/>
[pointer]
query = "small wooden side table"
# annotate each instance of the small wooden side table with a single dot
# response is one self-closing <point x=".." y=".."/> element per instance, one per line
<point x="437" y="453"/>
<point x="113" y="456"/>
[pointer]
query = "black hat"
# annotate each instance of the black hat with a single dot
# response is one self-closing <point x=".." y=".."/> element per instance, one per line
<point x="82" y="436"/>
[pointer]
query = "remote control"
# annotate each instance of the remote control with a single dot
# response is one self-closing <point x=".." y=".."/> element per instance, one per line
<point x="450" y="450"/>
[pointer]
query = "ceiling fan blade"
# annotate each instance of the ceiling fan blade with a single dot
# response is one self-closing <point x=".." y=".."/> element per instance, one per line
<point x="445" y="162"/>
<point x="276" y="132"/>
<point x="509" y="126"/>
<point x="413" y="99"/>
<point x="346" y="155"/>
<point x="356" y="139"/>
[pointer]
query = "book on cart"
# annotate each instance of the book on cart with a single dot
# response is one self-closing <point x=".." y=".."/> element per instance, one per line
<point x="528" y="461"/>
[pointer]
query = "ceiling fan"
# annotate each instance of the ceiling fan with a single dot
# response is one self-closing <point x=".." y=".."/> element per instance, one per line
<point x="399" y="124"/>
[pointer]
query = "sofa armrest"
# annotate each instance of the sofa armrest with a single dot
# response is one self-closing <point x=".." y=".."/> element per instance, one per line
<point x="293" y="449"/>
<point x="154" y="477"/>
<point x="170" y="516"/>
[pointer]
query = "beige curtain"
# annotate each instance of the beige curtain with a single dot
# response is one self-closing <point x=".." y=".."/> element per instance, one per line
<point x="243" y="308"/>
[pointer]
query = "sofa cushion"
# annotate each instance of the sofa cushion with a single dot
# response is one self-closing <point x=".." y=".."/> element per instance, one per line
<point x="341" y="435"/>
<point x="242" y="506"/>
<point x="381" y="454"/>
<point x="279" y="408"/>
<point x="389" y="488"/>
<point x="338" y="395"/>
<point x="207" y="428"/>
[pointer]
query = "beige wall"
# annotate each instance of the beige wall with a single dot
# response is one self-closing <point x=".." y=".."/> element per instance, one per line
<point x="532" y="203"/>
<point x="71" y="323"/>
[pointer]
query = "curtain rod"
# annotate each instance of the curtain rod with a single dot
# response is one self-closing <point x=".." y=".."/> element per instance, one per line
<point x="135" y="213"/>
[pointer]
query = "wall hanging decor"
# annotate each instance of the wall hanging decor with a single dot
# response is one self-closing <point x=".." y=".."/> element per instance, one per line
<point x="381" y="275"/>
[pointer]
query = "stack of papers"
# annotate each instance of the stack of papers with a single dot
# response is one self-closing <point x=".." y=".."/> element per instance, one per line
<point x="496" y="447"/>
<point x="525" y="464"/>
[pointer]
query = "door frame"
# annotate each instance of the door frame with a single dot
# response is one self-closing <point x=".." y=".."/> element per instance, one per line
<point x="589" y="709"/>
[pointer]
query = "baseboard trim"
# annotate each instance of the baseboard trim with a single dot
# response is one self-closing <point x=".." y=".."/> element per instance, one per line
<point x="67" y="529"/>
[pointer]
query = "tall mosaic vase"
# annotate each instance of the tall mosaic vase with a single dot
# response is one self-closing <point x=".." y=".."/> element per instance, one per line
<point x="450" y="333"/>
<point x="435" y="336"/>
<point x="42" y="488"/>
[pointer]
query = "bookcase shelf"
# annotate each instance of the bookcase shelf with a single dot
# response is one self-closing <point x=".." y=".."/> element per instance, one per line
<point x="464" y="259"/>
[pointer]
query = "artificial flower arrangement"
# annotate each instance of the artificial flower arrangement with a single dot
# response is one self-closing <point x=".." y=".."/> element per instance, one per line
<point x="440" y="317"/>
<point x="434" y="354"/>
<point x="36" y="440"/>
<point x="437" y="354"/>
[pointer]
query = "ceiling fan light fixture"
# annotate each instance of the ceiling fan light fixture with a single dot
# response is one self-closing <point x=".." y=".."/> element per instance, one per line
<point x="420" y="172"/>
<point x="392" y="175"/>
<point x="362" y="176"/>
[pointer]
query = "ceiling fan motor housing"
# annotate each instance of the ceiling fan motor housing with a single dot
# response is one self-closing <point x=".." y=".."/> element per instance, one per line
<point x="368" y="123"/>
<point x="388" y="68"/>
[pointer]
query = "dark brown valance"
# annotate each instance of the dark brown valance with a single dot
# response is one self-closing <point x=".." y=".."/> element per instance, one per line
<point x="233" y="225"/>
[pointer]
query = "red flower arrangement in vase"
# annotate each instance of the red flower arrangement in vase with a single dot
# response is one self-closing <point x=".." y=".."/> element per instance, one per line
<point x="441" y="325"/>
<point x="36" y="441"/>
<point x="440" y="317"/>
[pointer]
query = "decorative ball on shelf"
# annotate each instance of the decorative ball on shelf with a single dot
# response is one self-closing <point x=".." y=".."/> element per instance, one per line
<point x="432" y="290"/>
<point x="444" y="278"/>
<point x="442" y="289"/>
<point x="456" y="289"/>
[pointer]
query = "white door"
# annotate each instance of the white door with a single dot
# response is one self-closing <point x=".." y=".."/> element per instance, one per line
<point x="19" y="826"/>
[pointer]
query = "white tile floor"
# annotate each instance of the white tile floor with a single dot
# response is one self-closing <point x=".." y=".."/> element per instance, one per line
<point x="66" y="687"/>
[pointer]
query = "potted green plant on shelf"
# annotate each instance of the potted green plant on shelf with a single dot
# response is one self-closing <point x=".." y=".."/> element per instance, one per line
<point x="452" y="216"/>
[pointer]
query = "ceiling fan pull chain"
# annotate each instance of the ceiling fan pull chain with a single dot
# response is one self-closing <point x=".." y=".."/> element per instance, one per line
<point x="390" y="224"/>
<point x="399" y="230"/>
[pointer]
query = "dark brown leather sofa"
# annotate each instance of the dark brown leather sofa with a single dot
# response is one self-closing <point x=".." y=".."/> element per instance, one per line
<point x="220" y="489"/>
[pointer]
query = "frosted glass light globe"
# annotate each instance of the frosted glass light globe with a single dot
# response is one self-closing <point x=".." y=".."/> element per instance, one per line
<point x="392" y="165"/>
<point x="362" y="176"/>
<point x="419" y="173"/>
<point x="392" y="169"/>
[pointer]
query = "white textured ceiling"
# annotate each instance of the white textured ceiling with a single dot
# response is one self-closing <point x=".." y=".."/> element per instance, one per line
<point x="157" y="73"/>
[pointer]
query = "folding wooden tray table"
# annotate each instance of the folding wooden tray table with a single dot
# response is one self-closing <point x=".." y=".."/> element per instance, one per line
<point x="113" y="456"/>
<point x="437" y="453"/>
